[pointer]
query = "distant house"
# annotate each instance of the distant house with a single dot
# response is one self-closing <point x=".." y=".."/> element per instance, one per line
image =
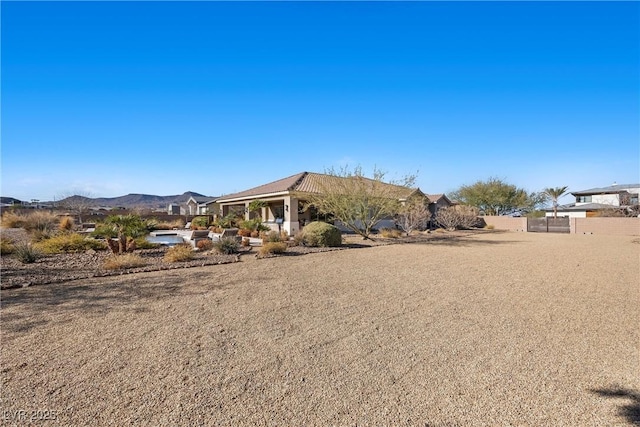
<point x="199" y="205"/>
<point x="284" y="200"/>
<point x="594" y="201"/>
<point x="437" y="202"/>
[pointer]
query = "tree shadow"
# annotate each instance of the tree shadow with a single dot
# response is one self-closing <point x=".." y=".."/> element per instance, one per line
<point x="91" y="297"/>
<point x="630" y="411"/>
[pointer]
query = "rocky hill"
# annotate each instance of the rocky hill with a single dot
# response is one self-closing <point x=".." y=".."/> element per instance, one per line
<point x="130" y="201"/>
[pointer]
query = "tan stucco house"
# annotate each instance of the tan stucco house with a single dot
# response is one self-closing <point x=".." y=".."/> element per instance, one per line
<point x="285" y="200"/>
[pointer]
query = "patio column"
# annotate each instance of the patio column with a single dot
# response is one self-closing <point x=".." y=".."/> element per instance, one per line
<point x="291" y="215"/>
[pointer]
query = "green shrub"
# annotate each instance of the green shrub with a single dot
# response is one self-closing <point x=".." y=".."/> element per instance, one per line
<point x="143" y="243"/>
<point x="321" y="234"/>
<point x="26" y="254"/>
<point x="116" y="262"/>
<point x="227" y="245"/>
<point x="271" y="248"/>
<point x="200" y="222"/>
<point x="6" y="246"/>
<point x="177" y="253"/>
<point x="69" y="243"/>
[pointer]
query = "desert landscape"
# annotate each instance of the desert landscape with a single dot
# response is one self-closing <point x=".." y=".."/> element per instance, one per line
<point x="488" y="328"/>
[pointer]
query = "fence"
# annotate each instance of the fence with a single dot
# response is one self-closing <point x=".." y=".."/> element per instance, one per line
<point x="603" y="225"/>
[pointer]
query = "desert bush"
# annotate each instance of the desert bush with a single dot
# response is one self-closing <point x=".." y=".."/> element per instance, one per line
<point x="245" y="242"/>
<point x="204" y="244"/>
<point x="227" y="245"/>
<point x="390" y="233"/>
<point x="271" y="248"/>
<point x="26" y="254"/>
<point x="244" y="232"/>
<point x="143" y="243"/>
<point x="6" y="246"/>
<point x="255" y="234"/>
<point x="12" y="220"/>
<point x="167" y="225"/>
<point x="178" y="253"/>
<point x="321" y="234"/>
<point x="271" y="236"/>
<point x="460" y="216"/>
<point x="41" y="221"/>
<point x="66" y="223"/>
<point x="69" y="243"/>
<point x="117" y="262"/>
<point x="200" y="223"/>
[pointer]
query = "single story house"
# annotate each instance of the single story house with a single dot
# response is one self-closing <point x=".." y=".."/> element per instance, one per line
<point x="594" y="201"/>
<point x="284" y="200"/>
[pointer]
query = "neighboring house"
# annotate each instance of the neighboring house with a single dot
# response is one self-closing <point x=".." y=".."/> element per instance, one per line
<point x="437" y="202"/>
<point x="594" y="201"/>
<point x="199" y="205"/>
<point x="285" y="199"/>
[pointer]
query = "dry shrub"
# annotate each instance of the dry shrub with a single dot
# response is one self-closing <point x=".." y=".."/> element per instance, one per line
<point x="13" y="220"/>
<point x="179" y="253"/>
<point x="7" y="246"/>
<point x="117" y="262"/>
<point x="245" y="242"/>
<point x="490" y="226"/>
<point x="204" y="245"/>
<point x="244" y="232"/>
<point x="169" y="225"/>
<point x="390" y="233"/>
<point x="41" y="221"/>
<point x="255" y="234"/>
<point x="66" y="223"/>
<point x="271" y="248"/>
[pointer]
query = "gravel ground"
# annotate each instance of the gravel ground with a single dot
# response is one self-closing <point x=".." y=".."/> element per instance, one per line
<point x="495" y="329"/>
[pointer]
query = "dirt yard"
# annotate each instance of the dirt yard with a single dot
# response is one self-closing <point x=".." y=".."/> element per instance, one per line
<point x="492" y="329"/>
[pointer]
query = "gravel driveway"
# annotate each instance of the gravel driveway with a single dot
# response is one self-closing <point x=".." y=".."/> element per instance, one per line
<point x="497" y="329"/>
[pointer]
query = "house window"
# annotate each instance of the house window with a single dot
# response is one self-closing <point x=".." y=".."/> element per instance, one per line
<point x="583" y="199"/>
<point x="278" y="211"/>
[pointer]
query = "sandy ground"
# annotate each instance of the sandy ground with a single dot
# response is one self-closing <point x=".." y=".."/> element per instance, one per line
<point x="499" y="329"/>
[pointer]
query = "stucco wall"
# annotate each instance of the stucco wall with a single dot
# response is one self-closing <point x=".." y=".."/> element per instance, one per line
<point x="610" y="226"/>
<point x="506" y="223"/>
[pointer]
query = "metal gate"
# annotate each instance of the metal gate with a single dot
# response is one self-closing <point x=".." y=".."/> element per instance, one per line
<point x="549" y="225"/>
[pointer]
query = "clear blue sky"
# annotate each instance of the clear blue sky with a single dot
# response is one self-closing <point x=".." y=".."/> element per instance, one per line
<point x="111" y="98"/>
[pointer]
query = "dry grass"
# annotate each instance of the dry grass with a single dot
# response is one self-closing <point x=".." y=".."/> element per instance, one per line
<point x="179" y="253"/>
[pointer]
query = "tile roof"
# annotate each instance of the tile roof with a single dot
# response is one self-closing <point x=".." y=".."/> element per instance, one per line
<point x="304" y="182"/>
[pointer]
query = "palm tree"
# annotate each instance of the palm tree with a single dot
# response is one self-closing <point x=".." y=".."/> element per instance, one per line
<point x="554" y="194"/>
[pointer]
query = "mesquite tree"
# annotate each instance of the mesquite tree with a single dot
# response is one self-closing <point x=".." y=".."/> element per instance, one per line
<point x="360" y="203"/>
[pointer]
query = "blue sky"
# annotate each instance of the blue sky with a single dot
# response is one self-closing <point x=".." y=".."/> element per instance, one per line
<point x="110" y="98"/>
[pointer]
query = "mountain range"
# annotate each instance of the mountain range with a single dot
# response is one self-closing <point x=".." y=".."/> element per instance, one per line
<point x="145" y="201"/>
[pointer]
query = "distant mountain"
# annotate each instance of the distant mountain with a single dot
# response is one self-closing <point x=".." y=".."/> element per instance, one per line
<point x="131" y="200"/>
<point x="9" y="201"/>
